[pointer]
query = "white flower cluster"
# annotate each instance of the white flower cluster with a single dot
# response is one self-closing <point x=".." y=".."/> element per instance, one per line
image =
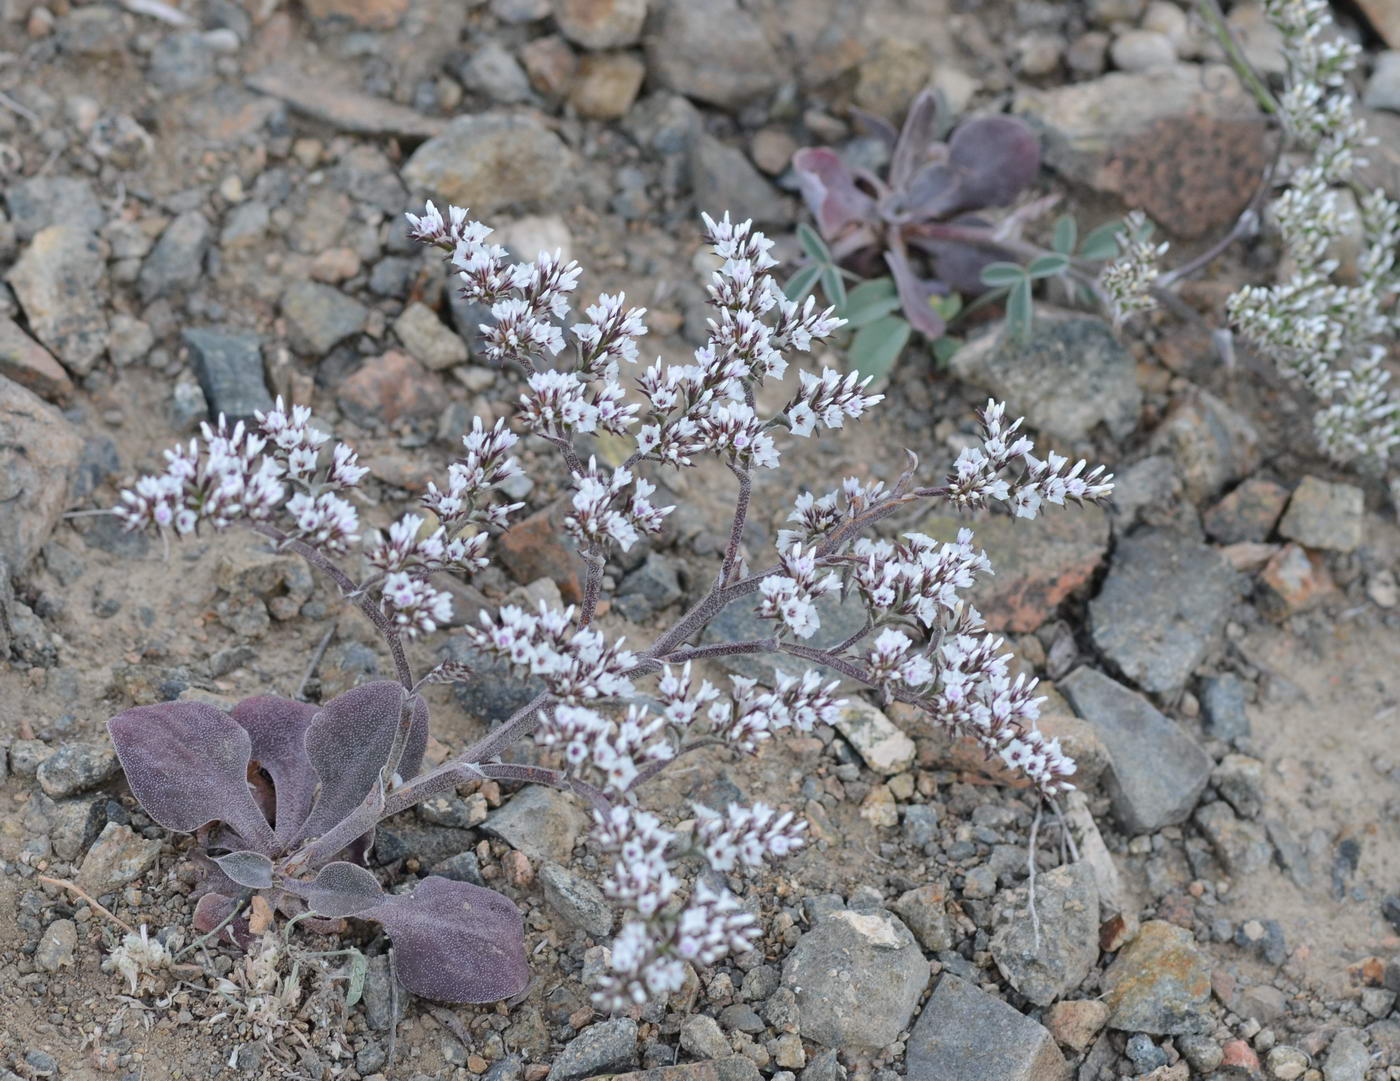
<point x="577" y="665"/>
<point x="977" y="476"/>
<point x="232" y="475"/>
<point x="487" y="465"/>
<point x="751" y="716"/>
<point x="828" y="399"/>
<point x="413" y="604"/>
<point x="1328" y="336"/>
<point x="791" y="596"/>
<point x="895" y="659"/>
<point x="919" y="579"/>
<point x="1127" y="280"/>
<point x="600" y="514"/>
<point x="616" y="749"/>
<point x="745" y="837"/>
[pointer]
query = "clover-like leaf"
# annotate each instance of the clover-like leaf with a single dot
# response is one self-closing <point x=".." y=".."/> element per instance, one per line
<point x="830" y="189"/>
<point x="187" y="764"/>
<point x="277" y="727"/>
<point x="348" y="743"/>
<point x="343" y="889"/>
<point x="252" y="870"/>
<point x="456" y="942"/>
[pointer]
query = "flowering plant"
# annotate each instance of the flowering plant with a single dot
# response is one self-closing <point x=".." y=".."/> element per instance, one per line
<point x="284" y="796"/>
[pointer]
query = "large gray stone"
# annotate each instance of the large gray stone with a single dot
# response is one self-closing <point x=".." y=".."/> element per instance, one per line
<point x="740" y="622"/>
<point x="41" y="201"/>
<point x="1047" y="963"/>
<point x="714" y="52"/>
<point x="1158" y="772"/>
<point x="722" y="178"/>
<point x="541" y="822"/>
<point x="39" y="456"/>
<point x="1072" y="375"/>
<point x="177" y="260"/>
<point x="60" y="281"/>
<point x="117" y="857"/>
<point x="1162" y="608"/>
<point x="857" y="977"/>
<point x="965" y="1034"/>
<point x="491" y="160"/>
<point x="576" y="899"/>
<point x="228" y="364"/>
<point x="607" y="1047"/>
<point x="319" y="317"/>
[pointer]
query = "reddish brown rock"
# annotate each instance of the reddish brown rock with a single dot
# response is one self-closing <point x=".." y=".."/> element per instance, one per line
<point x="537" y="547"/>
<point x="371" y="14"/>
<point x="1240" y="1058"/>
<point x="1293" y="580"/>
<point x="1384" y="17"/>
<point x="1037" y="564"/>
<point x="550" y="63"/>
<point x="31" y="365"/>
<point x="607" y="85"/>
<point x="390" y="388"/>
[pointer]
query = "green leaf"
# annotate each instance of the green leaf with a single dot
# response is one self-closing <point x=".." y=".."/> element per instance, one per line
<point x="1100" y="243"/>
<point x="1066" y="234"/>
<point x="868" y="301"/>
<point x="877" y="345"/>
<point x="944" y="348"/>
<point x="801" y="283"/>
<point x="813" y="244"/>
<point x="1002" y="274"/>
<point x="359" y="969"/>
<point x="947" y="306"/>
<point x="833" y="286"/>
<point x="1047" y="266"/>
<point x="1018" y="310"/>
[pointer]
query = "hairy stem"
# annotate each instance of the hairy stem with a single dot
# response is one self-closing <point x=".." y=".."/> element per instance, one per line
<point x="736" y="530"/>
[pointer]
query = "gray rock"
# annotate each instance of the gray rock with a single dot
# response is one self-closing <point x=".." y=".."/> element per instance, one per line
<point x="729" y="69"/>
<point x="1383" y="87"/>
<point x="879" y="741"/>
<point x="27" y="755"/>
<point x="1325" y="515"/>
<point x="543" y="823"/>
<point x="1222" y="705"/>
<point x="1158" y="772"/>
<point x="493" y="72"/>
<point x="925" y="910"/>
<point x="490" y="161"/>
<point x="857" y="977"/>
<point x="495" y="693"/>
<point x="40" y="201"/>
<point x="722" y="178"/>
<point x="117" y="857"/>
<point x="1162" y="608"/>
<point x="60" y="280"/>
<point x="1213" y="446"/>
<point x="609" y="24"/>
<point x="319" y="317"/>
<point x="228" y="364"/>
<point x="1071" y="376"/>
<point x="741" y="1017"/>
<point x="177" y="260"/>
<point x="427" y="339"/>
<point x="56" y="947"/>
<point x="1048" y="964"/>
<point x="39" y="457"/>
<point x="182" y="62"/>
<point x="1240" y="780"/>
<point x="1347" y="1058"/>
<point x="1262" y="1002"/>
<point x="385" y="1003"/>
<point x="463" y="867"/>
<point x="1143" y="486"/>
<point x="966" y="1034"/>
<point x="824" y="1067"/>
<point x="702" y="1037"/>
<point x="607" y="1047"/>
<point x="76" y="767"/>
<point x="367" y="174"/>
<point x="73" y="824"/>
<point x="921" y="825"/>
<point x="1159" y="983"/>
<point x="576" y="899"/>
<point x="98" y="30"/>
<point x="1203" y="1053"/>
<point x="245" y="224"/>
<point x="1248" y="513"/>
<point x="1241" y="846"/>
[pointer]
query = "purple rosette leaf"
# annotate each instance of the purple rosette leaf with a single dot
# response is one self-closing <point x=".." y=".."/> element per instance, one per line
<point x="343" y="889"/>
<point x="187" y="764"/>
<point x="212" y="910"/>
<point x="957" y="265"/>
<point x="914" y="295"/>
<point x="252" y="870"/>
<point x="277" y="727"/>
<point x="997" y="158"/>
<point x="829" y="188"/>
<point x="455" y="942"/>
<point x="348" y="742"/>
<point x="916" y="139"/>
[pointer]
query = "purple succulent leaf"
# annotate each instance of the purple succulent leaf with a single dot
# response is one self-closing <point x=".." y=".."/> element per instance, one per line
<point x="348" y="743"/>
<point x="830" y="189"/>
<point x="934" y="191"/>
<point x="956" y="264"/>
<point x="187" y="764"/>
<point x="456" y="942"/>
<point x="213" y="909"/>
<point x="277" y="727"/>
<point x="916" y="139"/>
<point x="877" y="125"/>
<point x="914" y="295"/>
<point x="212" y="878"/>
<point x="251" y="870"/>
<point x="342" y="889"/>
<point x="997" y="157"/>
